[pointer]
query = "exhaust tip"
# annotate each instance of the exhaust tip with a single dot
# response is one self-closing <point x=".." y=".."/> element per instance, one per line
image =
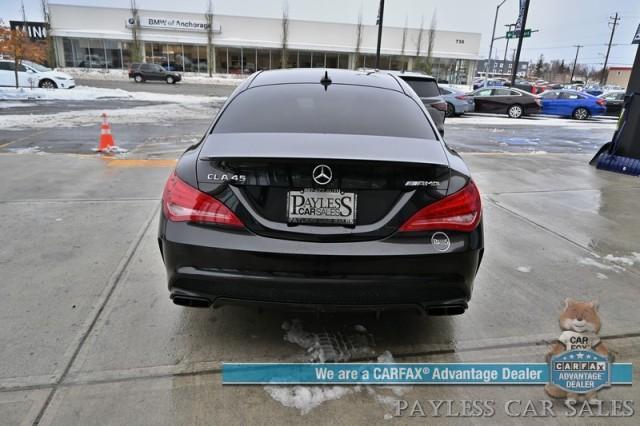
<point x="446" y="310"/>
<point x="191" y="302"/>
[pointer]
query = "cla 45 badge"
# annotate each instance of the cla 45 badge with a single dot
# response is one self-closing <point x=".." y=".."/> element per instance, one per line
<point x="225" y="177"/>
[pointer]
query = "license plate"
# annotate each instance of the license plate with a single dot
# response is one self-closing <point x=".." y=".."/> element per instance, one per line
<point x="321" y="206"/>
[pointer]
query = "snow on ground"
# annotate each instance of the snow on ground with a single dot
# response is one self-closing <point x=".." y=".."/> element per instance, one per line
<point x="187" y="77"/>
<point x="476" y="119"/>
<point x="524" y="269"/>
<point x="611" y="262"/>
<point x="85" y="93"/>
<point x="162" y="114"/>
<point x="340" y="346"/>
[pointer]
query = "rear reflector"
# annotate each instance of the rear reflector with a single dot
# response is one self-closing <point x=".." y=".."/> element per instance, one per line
<point x="183" y="203"/>
<point x="457" y="212"/>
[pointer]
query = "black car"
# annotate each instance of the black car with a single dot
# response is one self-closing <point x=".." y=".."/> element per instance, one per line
<point x="141" y="72"/>
<point x="615" y="101"/>
<point x="505" y="100"/>
<point x="305" y="192"/>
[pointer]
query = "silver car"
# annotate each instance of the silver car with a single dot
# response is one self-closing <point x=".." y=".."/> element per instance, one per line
<point x="457" y="101"/>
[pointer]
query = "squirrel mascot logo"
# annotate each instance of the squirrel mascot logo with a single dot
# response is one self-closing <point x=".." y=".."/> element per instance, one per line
<point x="580" y="324"/>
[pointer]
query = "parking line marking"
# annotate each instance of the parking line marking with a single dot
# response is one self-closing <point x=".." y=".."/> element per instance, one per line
<point x="150" y="163"/>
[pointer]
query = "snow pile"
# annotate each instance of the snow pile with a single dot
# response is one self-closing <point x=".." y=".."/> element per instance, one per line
<point x="187" y="77"/>
<point x="326" y="346"/>
<point x="524" y="269"/>
<point x="334" y="346"/>
<point x="306" y="398"/>
<point x="611" y="262"/>
<point x="84" y="93"/>
<point x="159" y="114"/>
<point x="478" y="119"/>
<point x="26" y="150"/>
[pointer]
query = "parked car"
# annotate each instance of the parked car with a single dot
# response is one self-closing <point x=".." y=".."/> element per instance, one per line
<point x="594" y="89"/>
<point x="372" y="211"/>
<point x="31" y="74"/>
<point x="93" y="61"/>
<point x="426" y="87"/>
<point x="457" y="101"/>
<point x="570" y="103"/>
<point x="141" y="72"/>
<point x="491" y="82"/>
<point x="515" y="103"/>
<point x="614" y="101"/>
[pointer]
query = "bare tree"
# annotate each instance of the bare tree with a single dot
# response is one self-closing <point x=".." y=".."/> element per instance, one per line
<point x="358" y="39"/>
<point x="51" y="48"/>
<point x="432" y="39"/>
<point x="404" y="41"/>
<point x="209" y="17"/>
<point x="420" y="37"/>
<point x="285" y="34"/>
<point x="136" y="52"/>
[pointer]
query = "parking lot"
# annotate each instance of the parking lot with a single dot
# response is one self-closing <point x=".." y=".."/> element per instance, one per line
<point x="90" y="336"/>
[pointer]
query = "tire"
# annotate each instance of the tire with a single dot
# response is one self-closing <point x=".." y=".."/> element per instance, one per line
<point x="47" y="84"/>
<point x="581" y="114"/>
<point x="451" y="111"/>
<point x="515" y="111"/>
<point x="138" y="78"/>
<point x="170" y="80"/>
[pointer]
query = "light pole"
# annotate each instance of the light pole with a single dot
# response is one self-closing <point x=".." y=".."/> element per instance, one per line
<point x="523" y="25"/>
<point x="493" y="37"/>
<point x="380" y="16"/>
<point x="575" y="62"/>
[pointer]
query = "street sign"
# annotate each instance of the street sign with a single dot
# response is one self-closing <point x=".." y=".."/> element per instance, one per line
<point x="636" y="39"/>
<point x="514" y="34"/>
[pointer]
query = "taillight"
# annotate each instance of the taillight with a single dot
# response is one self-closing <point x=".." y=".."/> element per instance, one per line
<point x="462" y="97"/>
<point x="442" y="106"/>
<point x="457" y="212"/>
<point x="601" y="102"/>
<point x="183" y="203"/>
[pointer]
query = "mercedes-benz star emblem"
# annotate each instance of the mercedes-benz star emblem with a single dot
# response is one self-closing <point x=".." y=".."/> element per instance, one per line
<point x="322" y="174"/>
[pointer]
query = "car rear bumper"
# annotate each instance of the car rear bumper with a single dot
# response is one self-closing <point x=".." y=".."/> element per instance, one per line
<point x="223" y="266"/>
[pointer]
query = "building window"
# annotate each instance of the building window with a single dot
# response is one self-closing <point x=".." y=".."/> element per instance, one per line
<point x="262" y="63"/>
<point x="221" y="60"/>
<point x="304" y="59"/>
<point x="190" y="58"/>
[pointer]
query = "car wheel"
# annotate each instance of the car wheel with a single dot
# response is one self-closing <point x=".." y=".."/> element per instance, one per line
<point x="138" y="78"/>
<point x="515" y="111"/>
<point x="170" y="80"/>
<point x="451" y="111"/>
<point x="581" y="114"/>
<point x="48" y="84"/>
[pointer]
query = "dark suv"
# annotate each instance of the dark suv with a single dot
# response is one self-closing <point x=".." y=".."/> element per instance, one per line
<point x="141" y="72"/>
<point x="426" y="87"/>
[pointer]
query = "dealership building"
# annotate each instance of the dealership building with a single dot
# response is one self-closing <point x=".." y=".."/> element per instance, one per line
<point x="101" y="37"/>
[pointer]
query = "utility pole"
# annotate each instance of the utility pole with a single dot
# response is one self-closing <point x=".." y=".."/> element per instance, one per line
<point x="487" y="64"/>
<point x="380" y="16"/>
<point x="506" y="48"/>
<point x="520" y="38"/>
<point x="613" y="25"/>
<point x="575" y="62"/>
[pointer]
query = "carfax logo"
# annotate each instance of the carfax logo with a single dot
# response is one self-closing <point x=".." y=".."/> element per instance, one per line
<point x="580" y="371"/>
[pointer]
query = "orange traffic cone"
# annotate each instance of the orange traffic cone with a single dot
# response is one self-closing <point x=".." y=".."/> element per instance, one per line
<point x="106" y="138"/>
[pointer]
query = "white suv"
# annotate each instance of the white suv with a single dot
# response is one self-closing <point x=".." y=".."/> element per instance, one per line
<point x="31" y="74"/>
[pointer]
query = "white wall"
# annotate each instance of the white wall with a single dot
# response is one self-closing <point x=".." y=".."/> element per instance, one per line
<point x="109" y="23"/>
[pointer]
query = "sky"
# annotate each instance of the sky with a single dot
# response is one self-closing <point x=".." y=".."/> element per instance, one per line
<point x="561" y="24"/>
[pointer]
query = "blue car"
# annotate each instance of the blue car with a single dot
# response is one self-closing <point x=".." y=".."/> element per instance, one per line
<point x="569" y="103"/>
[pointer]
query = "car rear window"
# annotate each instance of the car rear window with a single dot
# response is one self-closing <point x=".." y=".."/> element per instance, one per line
<point x="424" y="87"/>
<point x="309" y="108"/>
